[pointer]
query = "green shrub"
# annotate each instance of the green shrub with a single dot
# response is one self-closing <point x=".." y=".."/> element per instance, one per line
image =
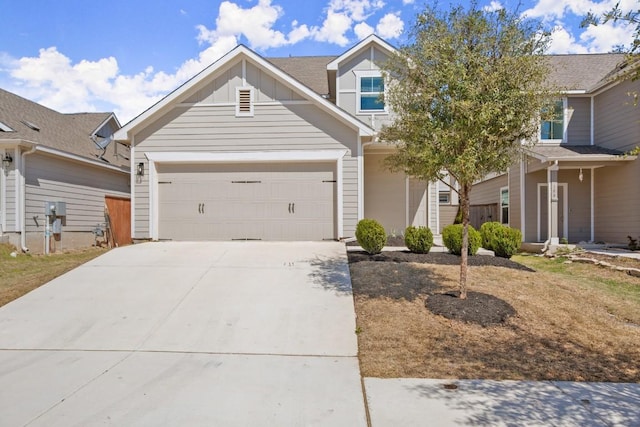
<point x="487" y="231"/>
<point x="505" y="241"/>
<point x="452" y="239"/>
<point x="419" y="240"/>
<point x="371" y="236"/>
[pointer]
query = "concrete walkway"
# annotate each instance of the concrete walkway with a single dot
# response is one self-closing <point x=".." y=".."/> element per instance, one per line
<point x="187" y="334"/>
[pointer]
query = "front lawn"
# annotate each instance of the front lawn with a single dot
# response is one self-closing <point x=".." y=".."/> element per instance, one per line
<point x="573" y="322"/>
<point x="23" y="273"/>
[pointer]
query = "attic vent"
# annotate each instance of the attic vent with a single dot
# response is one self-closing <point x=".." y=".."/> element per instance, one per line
<point x="30" y="125"/>
<point x="244" y="101"/>
<point x="5" y="128"/>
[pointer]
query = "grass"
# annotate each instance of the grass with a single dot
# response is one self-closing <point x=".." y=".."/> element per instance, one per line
<point x="25" y="272"/>
<point x="574" y="322"/>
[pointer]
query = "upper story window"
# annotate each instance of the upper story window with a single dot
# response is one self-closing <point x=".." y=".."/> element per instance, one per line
<point x="370" y="91"/>
<point x="552" y="127"/>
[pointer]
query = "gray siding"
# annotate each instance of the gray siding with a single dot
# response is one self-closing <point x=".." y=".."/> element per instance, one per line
<point x="488" y="191"/>
<point x="579" y="121"/>
<point x="579" y="204"/>
<point x="447" y="216"/>
<point x="384" y="194"/>
<point x="81" y="186"/>
<point x="11" y="196"/>
<point x="515" y="196"/>
<point x="617" y="122"/>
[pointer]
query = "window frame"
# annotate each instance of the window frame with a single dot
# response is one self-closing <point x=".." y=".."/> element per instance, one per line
<point x="564" y="101"/>
<point x="360" y="74"/>
<point x="502" y="206"/>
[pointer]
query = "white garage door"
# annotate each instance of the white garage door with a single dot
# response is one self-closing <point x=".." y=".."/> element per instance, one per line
<point x="247" y="201"/>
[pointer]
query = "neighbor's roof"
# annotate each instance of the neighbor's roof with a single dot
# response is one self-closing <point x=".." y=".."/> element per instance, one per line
<point x="309" y="70"/>
<point x="565" y="152"/>
<point x="584" y="71"/>
<point x="70" y="133"/>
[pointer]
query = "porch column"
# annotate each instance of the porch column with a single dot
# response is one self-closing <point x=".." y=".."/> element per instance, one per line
<point x="552" y="194"/>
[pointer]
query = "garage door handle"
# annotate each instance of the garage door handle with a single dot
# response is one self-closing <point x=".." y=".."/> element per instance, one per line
<point x="289" y="207"/>
<point x="293" y="208"/>
<point x="203" y="208"/>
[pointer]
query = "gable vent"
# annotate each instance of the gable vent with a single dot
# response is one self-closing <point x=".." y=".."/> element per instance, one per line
<point x="244" y="101"/>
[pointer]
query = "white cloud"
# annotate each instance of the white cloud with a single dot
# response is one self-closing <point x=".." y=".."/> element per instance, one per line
<point x="390" y="26"/>
<point x="493" y="6"/>
<point x="363" y="30"/>
<point x="333" y="29"/>
<point x="405" y="2"/>
<point x="341" y="16"/>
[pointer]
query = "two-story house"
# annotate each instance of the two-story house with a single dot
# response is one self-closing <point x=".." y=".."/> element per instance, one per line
<point x="576" y="183"/>
<point x="286" y="149"/>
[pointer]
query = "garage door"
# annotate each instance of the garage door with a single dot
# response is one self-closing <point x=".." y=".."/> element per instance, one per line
<point x="247" y="201"/>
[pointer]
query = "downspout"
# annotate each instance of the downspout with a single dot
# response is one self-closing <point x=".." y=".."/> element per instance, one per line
<point x="23" y="199"/>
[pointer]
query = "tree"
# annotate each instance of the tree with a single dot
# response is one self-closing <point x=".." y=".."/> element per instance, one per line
<point x="465" y="92"/>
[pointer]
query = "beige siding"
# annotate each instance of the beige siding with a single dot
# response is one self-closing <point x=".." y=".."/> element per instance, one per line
<point x="579" y="121"/>
<point x="514" y="196"/>
<point x="384" y="194"/>
<point x="579" y="199"/>
<point x="617" y="123"/>
<point x="447" y="215"/>
<point x="82" y="187"/>
<point x="531" y="204"/>
<point x="11" y="196"/>
<point x="617" y="202"/>
<point x="488" y="191"/>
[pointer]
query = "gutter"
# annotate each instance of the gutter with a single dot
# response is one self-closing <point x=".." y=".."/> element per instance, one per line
<point x="23" y="198"/>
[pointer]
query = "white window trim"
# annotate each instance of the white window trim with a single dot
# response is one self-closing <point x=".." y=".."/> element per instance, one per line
<point x="565" y="117"/>
<point x="500" y="204"/>
<point x="368" y="73"/>
<point x="251" y="102"/>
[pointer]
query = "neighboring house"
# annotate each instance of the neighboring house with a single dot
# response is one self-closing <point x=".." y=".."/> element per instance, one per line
<point x="285" y="149"/>
<point x="52" y="157"/>
<point x="580" y="156"/>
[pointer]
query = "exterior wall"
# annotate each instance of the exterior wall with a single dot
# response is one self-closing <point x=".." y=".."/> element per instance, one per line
<point x="617" y="202"/>
<point x="447" y="216"/>
<point x="579" y="121"/>
<point x="531" y="204"/>
<point x="488" y="191"/>
<point x="579" y="204"/>
<point x="10" y="202"/>
<point x="384" y="194"/>
<point x="369" y="58"/>
<point x="82" y="187"/>
<point x="515" y="209"/>
<point x="281" y="121"/>
<point x="616" y="117"/>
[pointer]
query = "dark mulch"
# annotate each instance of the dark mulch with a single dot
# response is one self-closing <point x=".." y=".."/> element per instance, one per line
<point x="478" y="308"/>
<point x="441" y="258"/>
<point x="394" y="241"/>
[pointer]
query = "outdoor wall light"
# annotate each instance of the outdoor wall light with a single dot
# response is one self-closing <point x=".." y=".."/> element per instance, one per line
<point x="140" y="169"/>
<point x="581" y="175"/>
<point x="6" y="161"/>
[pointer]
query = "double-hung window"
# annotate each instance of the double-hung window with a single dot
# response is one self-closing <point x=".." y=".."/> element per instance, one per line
<point x="504" y="205"/>
<point x="552" y="124"/>
<point x="371" y="90"/>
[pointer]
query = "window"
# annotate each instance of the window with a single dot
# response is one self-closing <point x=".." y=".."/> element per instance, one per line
<point x="244" y="102"/>
<point x="444" y="197"/>
<point x="504" y="205"/>
<point x="553" y="125"/>
<point x="371" y="88"/>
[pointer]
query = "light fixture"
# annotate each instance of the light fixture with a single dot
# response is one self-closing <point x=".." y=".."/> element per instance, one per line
<point x="581" y="175"/>
<point x="6" y="160"/>
<point x="140" y="169"/>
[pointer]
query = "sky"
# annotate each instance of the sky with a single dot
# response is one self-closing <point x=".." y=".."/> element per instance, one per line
<point x="125" y="55"/>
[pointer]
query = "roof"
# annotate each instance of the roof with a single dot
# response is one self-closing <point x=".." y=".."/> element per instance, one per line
<point x="583" y="71"/>
<point x="565" y="152"/>
<point x="70" y="133"/>
<point x="309" y="70"/>
<point x="371" y="39"/>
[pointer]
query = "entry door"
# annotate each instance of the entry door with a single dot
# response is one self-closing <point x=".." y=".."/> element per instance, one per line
<point x="543" y="212"/>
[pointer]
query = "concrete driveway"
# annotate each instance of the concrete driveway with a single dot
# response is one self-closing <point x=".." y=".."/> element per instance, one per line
<point x="227" y="333"/>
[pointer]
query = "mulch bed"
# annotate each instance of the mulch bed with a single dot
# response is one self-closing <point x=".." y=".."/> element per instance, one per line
<point x="479" y="308"/>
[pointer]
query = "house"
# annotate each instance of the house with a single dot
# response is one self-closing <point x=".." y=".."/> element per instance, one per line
<point x="581" y="156"/>
<point x="286" y="149"/>
<point x="57" y="172"/>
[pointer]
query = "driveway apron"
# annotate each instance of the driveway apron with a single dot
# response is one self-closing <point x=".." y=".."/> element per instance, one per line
<point x="187" y="333"/>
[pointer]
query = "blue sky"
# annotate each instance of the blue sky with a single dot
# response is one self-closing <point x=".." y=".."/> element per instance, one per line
<point x="124" y="55"/>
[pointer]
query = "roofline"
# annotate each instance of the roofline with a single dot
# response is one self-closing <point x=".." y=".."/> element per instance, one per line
<point x="105" y="121"/>
<point x="582" y="157"/>
<point x="123" y="134"/>
<point x="333" y="65"/>
<point x="614" y="79"/>
<point x="12" y="143"/>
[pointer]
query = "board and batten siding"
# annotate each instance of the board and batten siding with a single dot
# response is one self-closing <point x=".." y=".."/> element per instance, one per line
<point x="81" y="186"/>
<point x="579" y="121"/>
<point x="282" y="121"/>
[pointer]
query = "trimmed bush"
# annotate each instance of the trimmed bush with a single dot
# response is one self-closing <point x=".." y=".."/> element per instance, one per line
<point x="418" y="239"/>
<point x="505" y="241"/>
<point x="371" y="236"/>
<point x="452" y="239"/>
<point x="487" y="230"/>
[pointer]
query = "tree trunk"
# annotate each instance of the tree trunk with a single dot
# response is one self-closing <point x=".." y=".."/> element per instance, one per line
<point x="464" y="255"/>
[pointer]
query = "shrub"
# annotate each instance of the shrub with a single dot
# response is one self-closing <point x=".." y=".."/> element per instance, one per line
<point x="419" y="240"/>
<point x="505" y="241"/>
<point x="487" y="230"/>
<point x="371" y="236"/>
<point x="452" y="239"/>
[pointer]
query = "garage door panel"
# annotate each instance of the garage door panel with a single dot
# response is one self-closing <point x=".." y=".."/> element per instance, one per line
<point x="261" y="201"/>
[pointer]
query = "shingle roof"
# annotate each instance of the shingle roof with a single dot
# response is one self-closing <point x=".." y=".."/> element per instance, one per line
<point x="66" y="132"/>
<point x="573" y="152"/>
<point x="309" y="70"/>
<point x="583" y="72"/>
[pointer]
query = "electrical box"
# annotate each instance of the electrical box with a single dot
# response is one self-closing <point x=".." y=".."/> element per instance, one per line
<point x="57" y="226"/>
<point x="55" y="208"/>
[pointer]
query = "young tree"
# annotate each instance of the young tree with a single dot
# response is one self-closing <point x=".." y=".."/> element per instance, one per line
<point x="465" y="92"/>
